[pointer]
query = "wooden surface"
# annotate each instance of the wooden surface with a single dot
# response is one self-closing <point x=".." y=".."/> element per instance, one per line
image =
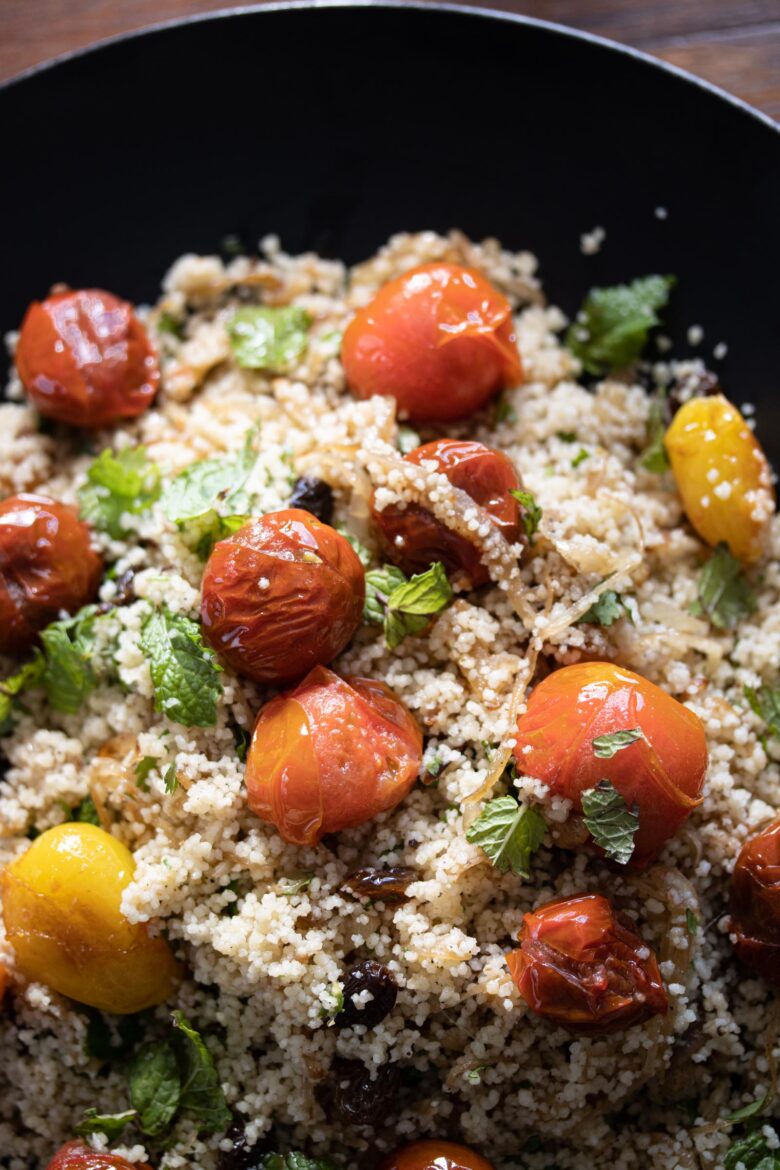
<point x="734" y="43"/>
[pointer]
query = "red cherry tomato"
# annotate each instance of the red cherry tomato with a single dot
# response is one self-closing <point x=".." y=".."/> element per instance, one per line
<point x="46" y="565"/>
<point x="755" y="903"/>
<point x="85" y="359"/>
<point x="412" y="536"/>
<point x="330" y="755"/>
<point x="662" y="771"/>
<point x="78" y="1156"/>
<point x="439" y="339"/>
<point x="435" y="1155"/>
<point x="281" y="595"/>
<point x="584" y="967"/>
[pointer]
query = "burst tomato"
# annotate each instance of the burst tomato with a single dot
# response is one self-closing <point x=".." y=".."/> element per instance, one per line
<point x="662" y="771"/>
<point x="413" y="537"/>
<point x="755" y="903"/>
<point x="584" y="967"/>
<point x="77" y="1156"/>
<point x="281" y="595"/>
<point x="84" y="358"/>
<point x="46" y="565"/>
<point x="329" y="755"/>
<point x="435" y="1155"/>
<point x="439" y="339"/>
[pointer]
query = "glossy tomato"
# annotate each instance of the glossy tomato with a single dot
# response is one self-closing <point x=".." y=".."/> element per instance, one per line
<point x="439" y="339"/>
<point x="435" y="1155"/>
<point x="584" y="967"/>
<point x="46" y="566"/>
<point x="78" y="1156"/>
<point x="331" y="754"/>
<point x="755" y="903"/>
<point x="84" y="358"/>
<point x="281" y="595"/>
<point x="662" y="771"/>
<point x="414" y="538"/>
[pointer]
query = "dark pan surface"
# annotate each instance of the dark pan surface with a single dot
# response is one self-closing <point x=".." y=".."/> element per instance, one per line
<point x="335" y="126"/>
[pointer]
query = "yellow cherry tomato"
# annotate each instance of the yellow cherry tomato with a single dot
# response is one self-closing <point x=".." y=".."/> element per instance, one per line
<point x="722" y="475"/>
<point x="61" y="905"/>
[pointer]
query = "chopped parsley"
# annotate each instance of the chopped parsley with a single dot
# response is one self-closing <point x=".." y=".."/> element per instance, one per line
<point x="170" y="779"/>
<point x="142" y="770"/>
<point x="606" y="746"/>
<point x="185" y="674"/>
<point x="335" y="1006"/>
<point x="405" y="606"/>
<point x="508" y="833"/>
<point x="766" y="703"/>
<point x="268" y="338"/>
<point x="613" y="325"/>
<point x="118" y="483"/>
<point x="725" y="596"/>
<point x="610" y="822"/>
<point x="606" y="609"/>
<point x="531" y="514"/>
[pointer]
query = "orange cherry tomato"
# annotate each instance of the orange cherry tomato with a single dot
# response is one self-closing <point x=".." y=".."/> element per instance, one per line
<point x="78" y="1156"/>
<point x="439" y="339"/>
<point x="583" y="966"/>
<point x="281" y="595"/>
<point x="412" y="536"/>
<point x="755" y="903"/>
<point x="435" y="1155"/>
<point x="662" y="771"/>
<point x="329" y="755"/>
<point x="46" y="566"/>
<point x="84" y="358"/>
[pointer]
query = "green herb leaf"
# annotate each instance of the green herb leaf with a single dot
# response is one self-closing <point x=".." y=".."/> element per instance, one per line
<point x="155" y="1086"/>
<point x="567" y="436"/>
<point x="766" y="704"/>
<point x="509" y="833"/>
<point x="612" y="327"/>
<point x="505" y="412"/>
<point x="337" y="1004"/>
<point x="167" y="323"/>
<point x="606" y="746"/>
<point x="25" y="679"/>
<point x="68" y="649"/>
<point x="85" y="812"/>
<point x="474" y="1075"/>
<point x="413" y="603"/>
<point x="111" y="1124"/>
<point x="434" y="765"/>
<point x="170" y="780"/>
<point x="408" y="440"/>
<point x="184" y="671"/>
<point x="142" y="770"/>
<point x="210" y="485"/>
<point x="268" y="338"/>
<point x="725" y="596"/>
<point x="100" y="1041"/>
<point x="654" y="457"/>
<point x="364" y="556"/>
<point x="295" y="884"/>
<point x="691" y="921"/>
<point x="532" y="513"/>
<point x="610" y="822"/>
<point x="606" y="609"/>
<point x="380" y="583"/>
<point x="118" y="483"/>
<point x="580" y="457"/>
<point x="292" y="1162"/>
<point x="752" y="1153"/>
<point x="242" y="739"/>
<point x="201" y="1092"/>
<point x="748" y="1111"/>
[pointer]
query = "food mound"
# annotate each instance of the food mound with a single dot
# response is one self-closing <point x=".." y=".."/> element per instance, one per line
<point x="389" y="725"/>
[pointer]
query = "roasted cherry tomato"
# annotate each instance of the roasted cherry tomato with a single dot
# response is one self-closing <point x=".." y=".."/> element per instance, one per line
<point x="583" y="966"/>
<point x="662" y="770"/>
<point x="439" y="339"/>
<point x="77" y="1156"/>
<point x="722" y="475"/>
<point x="755" y="903"/>
<point x="85" y="359"/>
<point x="413" y="537"/>
<point x="281" y="595"/>
<point x="46" y="566"/>
<point x="329" y="755"/>
<point x="61" y="905"/>
<point x="435" y="1155"/>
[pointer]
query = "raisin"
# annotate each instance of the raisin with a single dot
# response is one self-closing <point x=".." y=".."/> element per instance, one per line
<point x="386" y="885"/>
<point x="367" y="976"/>
<point x="359" y="1100"/>
<point x="242" y="1156"/>
<point x="313" y="495"/>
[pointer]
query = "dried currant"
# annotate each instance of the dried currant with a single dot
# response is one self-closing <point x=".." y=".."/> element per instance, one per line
<point x="380" y="982"/>
<point x="381" y="885"/>
<point x="358" y="1099"/>
<point x="313" y="495"/>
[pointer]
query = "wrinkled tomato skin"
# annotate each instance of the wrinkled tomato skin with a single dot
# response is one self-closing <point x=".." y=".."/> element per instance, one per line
<point x="662" y="772"/>
<point x="412" y="536"/>
<point x="755" y="903"/>
<point x="435" y="1155"/>
<point x="329" y="755"/>
<point x="439" y="339"/>
<point x="304" y="615"/>
<point x="85" y="359"/>
<point x="46" y="566"/>
<point x="580" y="965"/>
<point x="78" y="1156"/>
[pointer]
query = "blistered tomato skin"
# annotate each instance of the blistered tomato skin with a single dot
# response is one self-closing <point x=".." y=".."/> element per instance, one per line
<point x="46" y="566"/>
<point x="722" y="475"/>
<point x="439" y="339"/>
<point x="61" y="905"/>
<point x="329" y="755"/>
<point x="580" y="965"/>
<point x="84" y="358"/>
<point x="662" y="771"/>
<point x="414" y="538"/>
<point x="78" y="1156"/>
<point x="282" y="595"/>
<point x="435" y="1155"/>
<point x="755" y="903"/>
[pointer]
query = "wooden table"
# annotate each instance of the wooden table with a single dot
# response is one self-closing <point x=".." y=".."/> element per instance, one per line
<point x="734" y="43"/>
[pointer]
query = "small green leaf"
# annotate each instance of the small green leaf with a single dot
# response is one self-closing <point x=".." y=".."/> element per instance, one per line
<point x="184" y="671"/>
<point x="752" y="1152"/>
<point x="580" y="457"/>
<point x="434" y="765"/>
<point x="725" y="596"/>
<point x="473" y="1075"/>
<point x="413" y="603"/>
<point x="118" y="483"/>
<point x="363" y="555"/>
<point x="295" y="884"/>
<point x="111" y="1124"/>
<point x="613" y="325"/>
<point x="26" y="678"/>
<point x="605" y="746"/>
<point x="691" y="921"/>
<point x="654" y="458"/>
<point x="68" y="649"/>
<point x="532" y="513"/>
<point x="766" y="704"/>
<point x="292" y="1162"/>
<point x="142" y="770"/>
<point x="751" y="1110"/>
<point x="567" y="436"/>
<point x="336" y="1006"/>
<point x="268" y="338"/>
<point x="167" y="323"/>
<point x="170" y="780"/>
<point x="85" y="812"/>
<point x="606" y="609"/>
<point x="242" y="739"/>
<point x="201" y="1093"/>
<point x="380" y="583"/>
<point x="610" y="822"/>
<point x="155" y="1086"/>
<point x="509" y="833"/>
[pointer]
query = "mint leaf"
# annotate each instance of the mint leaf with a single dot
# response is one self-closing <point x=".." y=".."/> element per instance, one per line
<point x="413" y="603"/>
<point x="85" y="812"/>
<point x="691" y="921"/>
<point x="118" y="483"/>
<point x="201" y="1092"/>
<point x="380" y="583"/>
<point x="752" y="1153"/>
<point x="725" y="596"/>
<point x="612" y="326"/>
<point x="580" y="457"/>
<point x="606" y="746"/>
<point x="532" y="513"/>
<point x="25" y="679"/>
<point x="111" y="1124"/>
<point x="68" y="676"/>
<point x="268" y="338"/>
<point x="184" y="672"/>
<point x="609" y="820"/>
<point x="208" y="501"/>
<point x="654" y="457"/>
<point x="170" y="779"/>
<point x="363" y="555"/>
<point x="292" y="1162"/>
<point x="155" y="1086"/>
<point x="509" y="833"/>
<point x="766" y="704"/>
<point x="606" y="609"/>
<point x="142" y="770"/>
<point x="751" y="1110"/>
